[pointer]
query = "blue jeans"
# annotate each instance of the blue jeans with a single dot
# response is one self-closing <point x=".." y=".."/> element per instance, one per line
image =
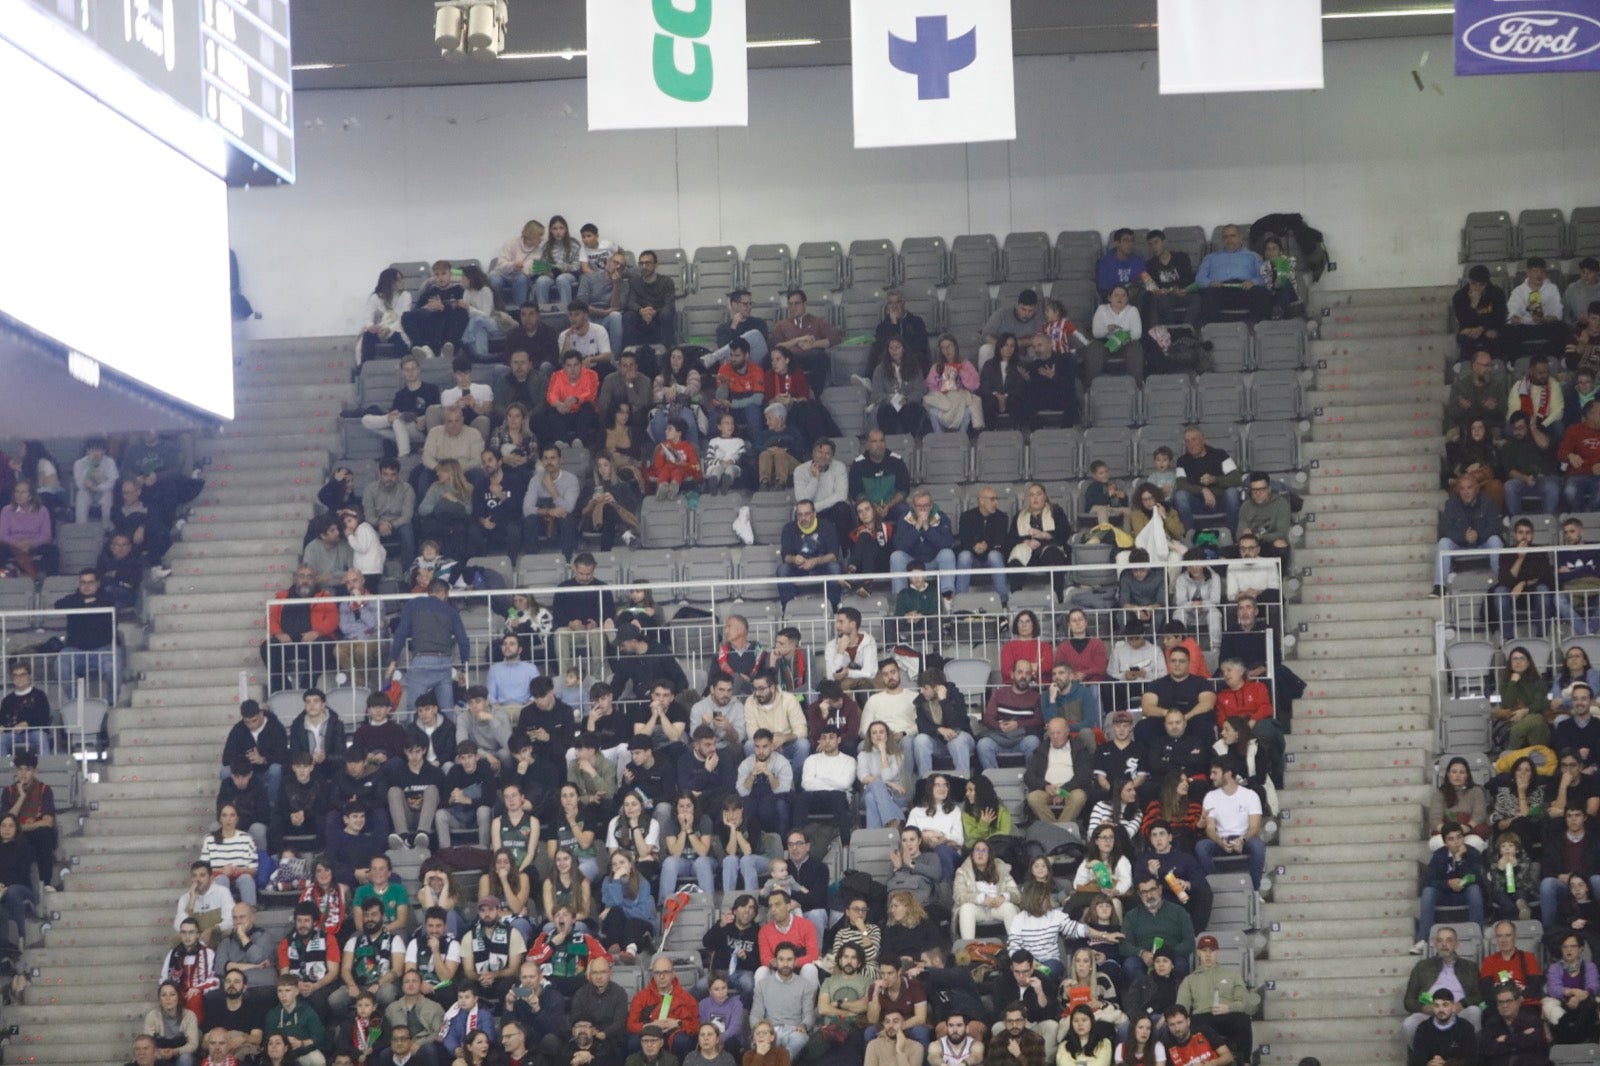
<point x="673" y="866"/>
<point x="96" y="665"/>
<point x="1576" y="612"/>
<point x="883" y="806"/>
<point x="758" y="353"/>
<point x="750" y="868"/>
<point x="1441" y="568"/>
<point x="959" y="748"/>
<point x="995" y="561"/>
<point x="1471" y="895"/>
<point x="430" y="673"/>
<point x="1545" y="492"/>
<point x="534" y="537"/>
<point x="993" y="742"/>
<point x="1187" y="502"/>
<point x="611" y="322"/>
<point x="15" y="901"/>
<point x="40" y="741"/>
<point x="1207" y="850"/>
<point x="1551" y="892"/>
<point x="830" y="589"/>
<point x="768" y="809"/>
<point x="476" y="337"/>
<point x="554" y="290"/>
<point x="513" y="287"/>
<point x="900" y="562"/>
<point x="1582" y="492"/>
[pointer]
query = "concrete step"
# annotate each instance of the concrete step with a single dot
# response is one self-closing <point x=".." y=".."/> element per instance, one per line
<point x="1334" y="355"/>
<point x="1396" y="887"/>
<point x="1284" y="971"/>
<point x="1326" y="909"/>
<point x="1326" y="704"/>
<point x="1323" y="780"/>
<point x="1385" y="832"/>
<point x="175" y="765"/>
<point x="1302" y="801"/>
<point x="253" y="553"/>
<point x="1394" y="757"/>
<point x="1376" y="464"/>
<point x="1318" y="558"/>
<point x="208" y="708"/>
<point x="1310" y="613"/>
<point x="1320" y="650"/>
<point x="1368" y="667"/>
<point x="136" y="786"/>
<point x="1406" y="436"/>
<point x="1367" y="592"/>
<point x="1335" y="531"/>
<point x="1309" y="745"/>
<point x="1329" y="482"/>
<point x="248" y="396"/>
<point x="163" y="862"/>
<point x="1368" y="688"/>
<point x="171" y="614"/>
<point x="1436" y="314"/>
<point x="1380" y="501"/>
<point x="1430" y="394"/>
<point x="1397" y="417"/>
<point x="128" y="843"/>
<point x="234" y="456"/>
<point x="179" y="814"/>
<point x="1385" y="329"/>
<point x="1423" y="294"/>
<point x="245" y="637"/>
<point x="259" y="354"/>
<point x="1316" y="632"/>
<point x="1296" y="882"/>
<point x="282" y="526"/>
<point x="221" y="676"/>
<point x="287" y="408"/>
<point x="131" y="902"/>
<point x="286" y="430"/>
<point x="146" y="937"/>
<point x="224" y="698"/>
<point x="1325" y="450"/>
<point x="60" y="991"/>
<point x="1343" y="854"/>
<point x="1308" y="727"/>
<point x="284" y="491"/>
<point x="158" y="664"/>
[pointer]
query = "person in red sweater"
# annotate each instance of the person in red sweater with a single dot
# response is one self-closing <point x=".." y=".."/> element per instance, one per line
<point x="664" y="1003"/>
<point x="785" y="924"/>
<point x="674" y="463"/>
<point x="1244" y="697"/>
<point x="1579" y="452"/>
<point x="788" y="385"/>
<point x="1510" y="963"/>
<point x="572" y="395"/>
<point x="742" y="387"/>
<point x="1082" y="652"/>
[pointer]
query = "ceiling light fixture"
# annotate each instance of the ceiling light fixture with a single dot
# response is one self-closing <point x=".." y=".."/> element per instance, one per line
<point x="1395" y="13"/>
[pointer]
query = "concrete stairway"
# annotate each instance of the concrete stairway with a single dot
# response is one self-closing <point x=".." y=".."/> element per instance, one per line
<point x="1343" y="908"/>
<point x="155" y="799"/>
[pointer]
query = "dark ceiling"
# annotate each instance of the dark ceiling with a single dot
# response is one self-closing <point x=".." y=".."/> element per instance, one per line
<point x="378" y="43"/>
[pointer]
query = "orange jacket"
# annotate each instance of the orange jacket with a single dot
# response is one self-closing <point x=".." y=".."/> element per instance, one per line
<point x="324" y="616"/>
<point x="562" y="387"/>
<point x="646" y="1007"/>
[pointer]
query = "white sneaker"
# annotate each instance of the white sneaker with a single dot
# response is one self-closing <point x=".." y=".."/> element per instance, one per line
<point x="863" y="382"/>
<point x="161" y="573"/>
<point x="1419" y="947"/>
<point x="628" y="538"/>
<point x="448" y="352"/>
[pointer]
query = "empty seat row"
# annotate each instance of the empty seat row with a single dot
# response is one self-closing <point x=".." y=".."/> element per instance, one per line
<point x="1544" y="232"/>
<point x="1212" y="397"/>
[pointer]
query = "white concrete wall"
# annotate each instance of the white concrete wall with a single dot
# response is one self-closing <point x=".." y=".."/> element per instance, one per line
<point x="1387" y="172"/>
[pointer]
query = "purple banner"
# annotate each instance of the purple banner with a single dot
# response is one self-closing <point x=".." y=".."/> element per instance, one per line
<point x="1526" y="36"/>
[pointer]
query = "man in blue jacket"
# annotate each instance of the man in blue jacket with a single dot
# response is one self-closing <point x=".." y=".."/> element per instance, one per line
<point x="1231" y="280"/>
<point x="809" y="547"/>
<point x="924" y="535"/>
<point x="1469" y="519"/>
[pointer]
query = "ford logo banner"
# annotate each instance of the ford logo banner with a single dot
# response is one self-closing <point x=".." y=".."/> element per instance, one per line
<point x="1526" y="36"/>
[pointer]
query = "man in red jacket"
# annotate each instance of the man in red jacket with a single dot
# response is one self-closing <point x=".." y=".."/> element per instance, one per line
<point x="664" y="1004"/>
<point x="299" y="635"/>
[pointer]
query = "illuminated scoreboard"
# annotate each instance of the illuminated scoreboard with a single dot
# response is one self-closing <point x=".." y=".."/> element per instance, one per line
<point x="228" y="61"/>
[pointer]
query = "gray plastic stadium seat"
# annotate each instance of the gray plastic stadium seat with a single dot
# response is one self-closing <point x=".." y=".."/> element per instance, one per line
<point x="999" y="456"/>
<point x="1280" y="345"/>
<point x="1113" y="401"/>
<point x="1190" y="240"/>
<point x="951" y="499"/>
<point x="967" y="307"/>
<point x="848" y="406"/>
<point x="849" y="360"/>
<point x="699" y="316"/>
<point x="1110" y="445"/>
<point x="1541" y="232"/>
<point x="923" y="299"/>
<point x="663" y="523"/>
<point x="871" y="264"/>
<point x="713" y="521"/>
<point x="944" y="458"/>
<point x="1076" y="253"/>
<point x="1230" y="345"/>
<point x="845" y="450"/>
<point x="860" y="311"/>
<point x="1274" y="446"/>
<point x="768" y="267"/>
<point x="1156" y="435"/>
<point x="716" y="269"/>
<point x="1167" y="397"/>
<point x="1010" y="290"/>
<point x="1053" y="454"/>
<point x="674" y="263"/>
<point x="1216" y="236"/>
<point x="1219" y="398"/>
<point x="758" y="561"/>
<point x="412" y="275"/>
<point x="1583" y="235"/>
<point x="1027" y="255"/>
<point x="79" y="543"/>
<point x="656" y="567"/>
<point x="500" y="564"/>
<point x="1275" y="395"/>
<point x="975" y="258"/>
<point x="819" y="265"/>
<point x="769" y="512"/>
<point x="1487" y="235"/>
<point x="924" y="261"/>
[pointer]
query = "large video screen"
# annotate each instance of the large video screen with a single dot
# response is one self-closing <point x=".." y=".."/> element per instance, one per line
<point x="115" y="245"/>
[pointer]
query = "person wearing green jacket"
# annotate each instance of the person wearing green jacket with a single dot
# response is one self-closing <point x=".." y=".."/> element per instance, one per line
<point x="1218" y="993"/>
<point x="1155" y="923"/>
<point x="1524" y="699"/>
<point x="297" y="1022"/>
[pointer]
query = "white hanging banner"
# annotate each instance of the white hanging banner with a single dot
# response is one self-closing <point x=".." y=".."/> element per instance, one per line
<point x="665" y="64"/>
<point x="932" y="72"/>
<point x="1236" y="46"/>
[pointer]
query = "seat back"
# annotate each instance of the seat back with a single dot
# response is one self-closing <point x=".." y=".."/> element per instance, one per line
<point x="674" y="263"/>
<point x="1275" y="394"/>
<point x="1280" y="345"/>
<point x="1583" y="236"/>
<point x="1230" y="345"/>
<point x="1487" y="235"/>
<point x="967" y="307"/>
<point x="975" y="258"/>
<point x="1053" y="454"/>
<point x="663" y="523"/>
<point x="860" y="310"/>
<point x="713" y="521"/>
<point x="699" y="316"/>
<point x="944" y="458"/>
<point x="1542" y="232"/>
<point x="1111" y="445"/>
<point x="819" y="265"/>
<point x="871" y="264"/>
<point x="1157" y="435"/>
<point x="1190" y="240"/>
<point x="716" y="269"/>
<point x="1167" y="397"/>
<point x="768" y="268"/>
<point x="999" y="456"/>
<point x="1027" y="255"/>
<point x="924" y="261"/>
<point x="1274" y="446"/>
<point x="1113" y="401"/>
<point x="1220" y="398"/>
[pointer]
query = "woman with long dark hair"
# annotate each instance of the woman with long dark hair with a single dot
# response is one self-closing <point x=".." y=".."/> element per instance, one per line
<point x="563" y="255"/>
<point x="627" y="910"/>
<point x="898" y="387"/>
<point x="381" y="334"/>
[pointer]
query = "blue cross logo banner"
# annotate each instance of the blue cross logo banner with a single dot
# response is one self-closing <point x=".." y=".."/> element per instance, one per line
<point x="932" y="72"/>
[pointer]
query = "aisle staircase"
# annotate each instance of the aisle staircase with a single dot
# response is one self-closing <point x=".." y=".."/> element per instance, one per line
<point x="98" y="968"/>
<point x="1343" y="907"/>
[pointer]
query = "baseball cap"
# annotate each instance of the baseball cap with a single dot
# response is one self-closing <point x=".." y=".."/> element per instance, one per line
<point x="1207" y="943"/>
<point x="488" y="903"/>
<point x="1121" y="716"/>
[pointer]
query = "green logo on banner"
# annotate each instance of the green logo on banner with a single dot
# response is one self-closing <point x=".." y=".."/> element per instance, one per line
<point x="694" y="85"/>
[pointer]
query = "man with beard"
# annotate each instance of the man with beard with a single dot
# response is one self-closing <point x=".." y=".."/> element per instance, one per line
<point x="842" y="1000"/>
<point x="492" y="951"/>
<point x="230" y="1012"/>
<point x="733" y="945"/>
<point x="585" y="1048"/>
<point x="1015" y="1044"/>
<point x="299" y="636"/>
<point x="368" y="964"/>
